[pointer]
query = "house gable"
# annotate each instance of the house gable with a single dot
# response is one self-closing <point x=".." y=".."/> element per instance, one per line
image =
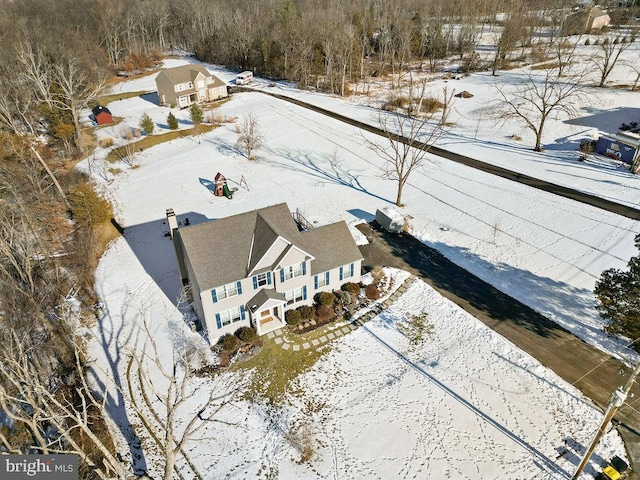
<point x="292" y="256"/>
<point x="275" y="251"/>
<point x="228" y="249"/>
<point x="267" y="245"/>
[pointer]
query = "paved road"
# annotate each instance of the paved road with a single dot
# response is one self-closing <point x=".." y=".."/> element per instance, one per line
<point x="560" y="190"/>
<point x="555" y="347"/>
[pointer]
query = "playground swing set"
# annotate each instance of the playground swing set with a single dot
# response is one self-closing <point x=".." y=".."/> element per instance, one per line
<point x="221" y="188"/>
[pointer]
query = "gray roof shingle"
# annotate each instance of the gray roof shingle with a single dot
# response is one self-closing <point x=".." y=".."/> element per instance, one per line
<point x="220" y="251"/>
<point x="188" y="73"/>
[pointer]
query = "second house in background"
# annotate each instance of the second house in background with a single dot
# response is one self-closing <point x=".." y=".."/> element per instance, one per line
<point x="188" y="84"/>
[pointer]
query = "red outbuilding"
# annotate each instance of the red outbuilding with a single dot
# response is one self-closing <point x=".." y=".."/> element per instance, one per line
<point x="101" y="115"/>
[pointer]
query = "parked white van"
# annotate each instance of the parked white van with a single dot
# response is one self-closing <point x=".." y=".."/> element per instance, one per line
<point x="244" y="78"/>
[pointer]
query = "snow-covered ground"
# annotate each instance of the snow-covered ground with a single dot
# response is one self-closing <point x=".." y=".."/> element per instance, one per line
<point x="468" y="404"/>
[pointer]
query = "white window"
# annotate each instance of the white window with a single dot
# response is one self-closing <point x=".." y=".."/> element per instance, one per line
<point x="202" y="93"/>
<point x="226" y="291"/>
<point x="179" y="87"/>
<point x="347" y="271"/>
<point x="200" y="83"/>
<point x="230" y="316"/>
<point x="321" y="280"/>
<point x="296" y="295"/>
<point x="263" y="279"/>
<point x="287" y="273"/>
<point x="190" y="85"/>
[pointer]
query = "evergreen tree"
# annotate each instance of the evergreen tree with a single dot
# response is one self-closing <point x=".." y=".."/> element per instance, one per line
<point x="172" y="121"/>
<point x="195" y="112"/>
<point x="618" y="295"/>
<point x="146" y="124"/>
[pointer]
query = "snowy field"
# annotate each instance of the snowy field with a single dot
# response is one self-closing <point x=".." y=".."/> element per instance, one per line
<point x="466" y="405"/>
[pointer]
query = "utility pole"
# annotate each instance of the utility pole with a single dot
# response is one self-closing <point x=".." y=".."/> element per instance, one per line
<point x="616" y="400"/>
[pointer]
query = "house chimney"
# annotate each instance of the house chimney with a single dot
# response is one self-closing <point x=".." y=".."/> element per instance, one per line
<point x="172" y="221"/>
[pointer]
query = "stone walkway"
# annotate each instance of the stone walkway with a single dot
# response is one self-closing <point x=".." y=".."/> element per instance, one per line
<point x="296" y="343"/>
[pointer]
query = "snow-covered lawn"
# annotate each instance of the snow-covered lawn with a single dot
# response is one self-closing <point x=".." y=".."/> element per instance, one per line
<point x="468" y="403"/>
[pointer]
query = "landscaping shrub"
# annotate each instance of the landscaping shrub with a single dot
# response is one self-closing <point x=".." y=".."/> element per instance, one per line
<point x="431" y="105"/>
<point x="224" y="359"/>
<point x="87" y="207"/>
<point x="196" y="114"/>
<point x="172" y="121"/>
<point x="106" y="142"/>
<point x="587" y="146"/>
<point x="351" y="287"/>
<point x="325" y="313"/>
<point x="307" y="312"/>
<point x="343" y="297"/>
<point x="395" y="103"/>
<point x="247" y="334"/>
<point x="292" y="317"/>
<point x="229" y="343"/>
<point x="325" y="298"/>
<point x="146" y="124"/>
<point x="372" y="292"/>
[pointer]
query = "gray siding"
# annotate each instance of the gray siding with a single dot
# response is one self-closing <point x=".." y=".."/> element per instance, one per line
<point x="166" y="90"/>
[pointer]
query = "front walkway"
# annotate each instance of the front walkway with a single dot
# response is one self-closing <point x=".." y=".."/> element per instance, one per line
<point x="297" y="342"/>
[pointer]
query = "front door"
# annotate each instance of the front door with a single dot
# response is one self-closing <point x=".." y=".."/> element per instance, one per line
<point x="266" y="316"/>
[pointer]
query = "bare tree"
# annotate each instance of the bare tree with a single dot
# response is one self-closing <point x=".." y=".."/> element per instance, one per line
<point x="537" y="97"/>
<point x="447" y="103"/>
<point x="563" y="50"/>
<point x="250" y="138"/>
<point x="35" y="70"/>
<point x="636" y="70"/>
<point x="27" y="395"/>
<point x="609" y="52"/>
<point x="513" y="32"/>
<point x="161" y="399"/>
<point x="77" y="85"/>
<point x="409" y="138"/>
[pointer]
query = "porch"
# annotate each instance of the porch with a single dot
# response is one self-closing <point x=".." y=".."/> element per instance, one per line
<point x="267" y="321"/>
<point x="267" y="311"/>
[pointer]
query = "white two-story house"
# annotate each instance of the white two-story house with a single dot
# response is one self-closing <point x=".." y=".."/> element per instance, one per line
<point x="188" y="84"/>
<point x="249" y="269"/>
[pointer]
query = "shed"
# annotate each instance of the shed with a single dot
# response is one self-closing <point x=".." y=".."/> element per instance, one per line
<point x="101" y="115"/>
<point x="623" y="146"/>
